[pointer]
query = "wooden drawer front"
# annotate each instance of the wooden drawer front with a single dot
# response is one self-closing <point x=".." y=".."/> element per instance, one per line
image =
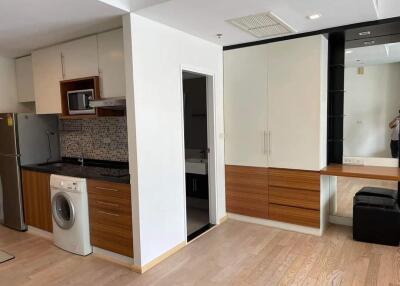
<point x="294" y="197"/>
<point x="247" y="190"/>
<point x="109" y="189"/>
<point x="294" y="215"/>
<point x="110" y="212"/>
<point x="295" y="179"/>
<point x="115" y="239"/>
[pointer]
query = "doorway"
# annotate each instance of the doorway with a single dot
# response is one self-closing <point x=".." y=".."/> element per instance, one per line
<point x="196" y="130"/>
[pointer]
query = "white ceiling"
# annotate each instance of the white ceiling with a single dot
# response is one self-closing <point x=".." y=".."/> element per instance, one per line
<point x="373" y="55"/>
<point x="26" y="25"/>
<point x="206" y="18"/>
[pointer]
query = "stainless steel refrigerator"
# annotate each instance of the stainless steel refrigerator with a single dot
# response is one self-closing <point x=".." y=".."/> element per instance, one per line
<point x="24" y="139"/>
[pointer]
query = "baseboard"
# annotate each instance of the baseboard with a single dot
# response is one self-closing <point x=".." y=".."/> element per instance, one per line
<point x="277" y="224"/>
<point x="159" y="259"/>
<point x="113" y="257"/>
<point x="40" y="232"/>
<point x="348" y="221"/>
<point x="223" y="219"/>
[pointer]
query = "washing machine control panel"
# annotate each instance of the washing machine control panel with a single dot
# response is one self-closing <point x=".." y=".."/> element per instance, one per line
<point x="67" y="185"/>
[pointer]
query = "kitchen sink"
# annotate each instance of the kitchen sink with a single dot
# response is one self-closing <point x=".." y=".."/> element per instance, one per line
<point x="196" y="166"/>
<point x="54" y="165"/>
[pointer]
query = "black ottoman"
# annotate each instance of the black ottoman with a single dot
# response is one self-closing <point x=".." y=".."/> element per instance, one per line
<point x="376" y="216"/>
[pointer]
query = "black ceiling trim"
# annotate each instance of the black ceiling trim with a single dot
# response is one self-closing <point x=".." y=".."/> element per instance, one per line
<point x="313" y="33"/>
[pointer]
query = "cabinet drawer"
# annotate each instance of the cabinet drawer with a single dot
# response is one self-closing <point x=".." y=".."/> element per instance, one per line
<point x="294" y="197"/>
<point x="247" y="190"/>
<point x="109" y="189"/>
<point x="115" y="239"/>
<point x="109" y="203"/>
<point x="295" y="179"/>
<point x="294" y="215"/>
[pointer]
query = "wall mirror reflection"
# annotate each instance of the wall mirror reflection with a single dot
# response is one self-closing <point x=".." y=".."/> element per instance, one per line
<point x="372" y="104"/>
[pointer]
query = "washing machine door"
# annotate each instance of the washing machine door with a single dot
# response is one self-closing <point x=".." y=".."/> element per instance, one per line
<point x="63" y="210"/>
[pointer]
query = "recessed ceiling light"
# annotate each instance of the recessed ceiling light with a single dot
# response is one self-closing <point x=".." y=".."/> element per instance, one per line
<point x="349" y="51"/>
<point x="314" y="16"/>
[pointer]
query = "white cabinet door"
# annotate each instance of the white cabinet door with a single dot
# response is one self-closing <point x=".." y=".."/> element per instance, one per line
<point x="245" y="106"/>
<point x="79" y="58"/>
<point x="111" y="64"/>
<point x="47" y="73"/>
<point x="297" y="99"/>
<point x="24" y="74"/>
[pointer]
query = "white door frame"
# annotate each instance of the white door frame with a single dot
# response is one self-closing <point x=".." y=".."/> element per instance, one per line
<point x="211" y="138"/>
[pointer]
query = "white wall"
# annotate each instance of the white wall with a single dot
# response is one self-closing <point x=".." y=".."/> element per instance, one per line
<point x="371" y="101"/>
<point x="8" y="88"/>
<point x="159" y="54"/>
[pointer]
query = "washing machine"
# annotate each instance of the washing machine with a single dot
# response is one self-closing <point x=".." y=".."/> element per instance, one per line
<point x="70" y="212"/>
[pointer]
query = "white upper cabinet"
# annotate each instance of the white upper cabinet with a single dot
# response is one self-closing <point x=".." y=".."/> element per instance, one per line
<point x="24" y="74"/>
<point x="79" y="58"/>
<point x="47" y="73"/>
<point x="245" y="106"/>
<point x="111" y="64"/>
<point x="275" y="105"/>
<point x="297" y="92"/>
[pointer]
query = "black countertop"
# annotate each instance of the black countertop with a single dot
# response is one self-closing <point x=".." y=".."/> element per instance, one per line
<point x="117" y="172"/>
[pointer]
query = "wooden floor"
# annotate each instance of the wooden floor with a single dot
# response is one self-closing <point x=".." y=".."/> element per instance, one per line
<point x="234" y="253"/>
<point x="348" y="187"/>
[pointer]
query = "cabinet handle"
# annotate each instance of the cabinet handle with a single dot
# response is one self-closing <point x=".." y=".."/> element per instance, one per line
<point x="265" y="142"/>
<point x="107" y="189"/>
<point x="62" y="66"/>
<point x="269" y="143"/>
<point x="107" y="204"/>
<point x="107" y="213"/>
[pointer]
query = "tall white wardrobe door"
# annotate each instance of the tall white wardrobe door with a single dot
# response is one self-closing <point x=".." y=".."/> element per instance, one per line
<point x="245" y="106"/>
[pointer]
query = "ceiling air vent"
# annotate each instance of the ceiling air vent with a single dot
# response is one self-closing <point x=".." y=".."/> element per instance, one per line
<point x="262" y="25"/>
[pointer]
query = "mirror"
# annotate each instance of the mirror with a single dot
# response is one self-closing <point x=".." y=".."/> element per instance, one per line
<point x="372" y="102"/>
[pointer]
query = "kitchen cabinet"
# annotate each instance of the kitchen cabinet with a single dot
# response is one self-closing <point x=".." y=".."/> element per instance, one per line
<point x="79" y="58"/>
<point x="37" y="200"/>
<point x="110" y="216"/>
<point x="245" y="106"/>
<point x="47" y="73"/>
<point x="111" y="64"/>
<point x="24" y="74"/>
<point x="197" y="186"/>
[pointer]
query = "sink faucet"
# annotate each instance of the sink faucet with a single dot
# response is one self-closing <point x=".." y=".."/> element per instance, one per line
<point x="81" y="158"/>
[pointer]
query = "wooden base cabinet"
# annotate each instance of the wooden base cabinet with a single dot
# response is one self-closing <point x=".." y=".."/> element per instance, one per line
<point x="110" y="215"/>
<point x="247" y="191"/>
<point x="37" y="200"/>
<point x="291" y="196"/>
<point x="294" y="196"/>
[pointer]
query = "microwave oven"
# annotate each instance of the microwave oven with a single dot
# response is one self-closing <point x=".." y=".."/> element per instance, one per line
<point x="78" y="101"/>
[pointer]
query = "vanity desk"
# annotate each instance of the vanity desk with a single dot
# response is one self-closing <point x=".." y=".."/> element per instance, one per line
<point x="366" y="172"/>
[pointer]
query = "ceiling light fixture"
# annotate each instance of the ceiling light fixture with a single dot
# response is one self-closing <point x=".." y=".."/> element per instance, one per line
<point x="314" y="17"/>
<point x="349" y="51"/>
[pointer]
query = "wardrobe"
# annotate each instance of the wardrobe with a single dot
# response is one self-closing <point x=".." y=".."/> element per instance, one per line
<point x="275" y="111"/>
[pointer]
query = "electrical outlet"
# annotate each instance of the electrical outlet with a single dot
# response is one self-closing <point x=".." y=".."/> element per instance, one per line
<point x="353" y="161"/>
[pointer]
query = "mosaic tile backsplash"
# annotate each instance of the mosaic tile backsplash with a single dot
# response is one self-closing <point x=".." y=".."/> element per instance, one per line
<point x="103" y="138"/>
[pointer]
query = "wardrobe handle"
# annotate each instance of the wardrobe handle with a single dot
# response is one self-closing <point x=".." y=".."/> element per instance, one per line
<point x="265" y="142"/>
<point x="269" y="143"/>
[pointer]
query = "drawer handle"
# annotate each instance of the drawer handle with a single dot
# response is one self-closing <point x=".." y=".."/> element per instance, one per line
<point x="107" y="204"/>
<point x="107" y="189"/>
<point x="107" y="213"/>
